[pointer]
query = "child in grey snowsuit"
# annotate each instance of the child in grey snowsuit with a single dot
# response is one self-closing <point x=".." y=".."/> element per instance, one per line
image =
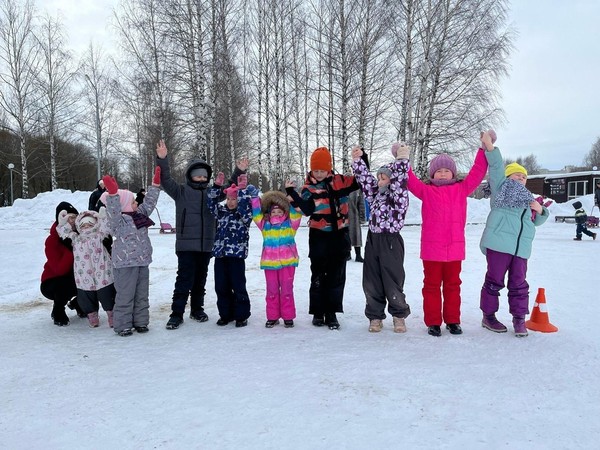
<point x="383" y="270"/>
<point x="581" y="221"/>
<point x="131" y="254"/>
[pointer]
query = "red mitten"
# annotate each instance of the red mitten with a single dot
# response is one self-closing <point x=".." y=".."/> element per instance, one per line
<point x="242" y="181"/>
<point x="220" y="179"/>
<point x="156" y="179"/>
<point x="111" y="184"/>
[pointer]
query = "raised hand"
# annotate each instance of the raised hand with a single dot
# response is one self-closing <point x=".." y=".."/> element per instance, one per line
<point x="156" y="178"/>
<point x="161" y="149"/>
<point x="242" y="181"/>
<point x="111" y="184"/>
<point x="400" y="150"/>
<point x="356" y="153"/>
<point x="486" y="140"/>
<point x="220" y="179"/>
<point x="63" y="218"/>
<point x="290" y="183"/>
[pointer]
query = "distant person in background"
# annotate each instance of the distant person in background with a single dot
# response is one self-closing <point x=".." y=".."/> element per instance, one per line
<point x="95" y="203"/>
<point x="139" y="197"/>
<point x="356" y="203"/>
<point x="581" y="221"/>
<point x="58" y="279"/>
<point x="597" y="194"/>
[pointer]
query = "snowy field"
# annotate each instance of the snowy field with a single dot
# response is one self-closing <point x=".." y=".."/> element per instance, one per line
<point x="208" y="387"/>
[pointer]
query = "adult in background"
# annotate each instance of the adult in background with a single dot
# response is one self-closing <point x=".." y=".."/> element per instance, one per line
<point x="139" y="197"/>
<point x="58" y="279"/>
<point x="356" y="203"/>
<point x="95" y="203"/>
<point x="597" y="194"/>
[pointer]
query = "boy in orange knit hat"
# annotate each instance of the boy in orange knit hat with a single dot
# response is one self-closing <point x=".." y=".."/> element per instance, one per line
<point x="324" y="197"/>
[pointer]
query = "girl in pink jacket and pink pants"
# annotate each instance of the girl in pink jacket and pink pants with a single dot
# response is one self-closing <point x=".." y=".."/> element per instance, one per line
<point x="444" y="216"/>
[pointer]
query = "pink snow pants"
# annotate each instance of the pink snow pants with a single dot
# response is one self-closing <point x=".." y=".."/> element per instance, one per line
<point x="280" y="293"/>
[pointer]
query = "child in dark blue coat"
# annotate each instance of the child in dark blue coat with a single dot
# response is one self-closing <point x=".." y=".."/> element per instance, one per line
<point x="231" y="249"/>
<point x="581" y="221"/>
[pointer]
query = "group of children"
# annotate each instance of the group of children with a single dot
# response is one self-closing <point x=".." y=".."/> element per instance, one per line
<point x="214" y="221"/>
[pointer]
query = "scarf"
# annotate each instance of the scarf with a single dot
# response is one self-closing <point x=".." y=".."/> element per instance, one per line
<point x="512" y="194"/>
<point x="140" y="220"/>
<point x="443" y="182"/>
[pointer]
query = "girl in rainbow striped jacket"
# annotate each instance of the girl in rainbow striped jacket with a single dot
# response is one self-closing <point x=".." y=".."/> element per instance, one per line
<point x="278" y="221"/>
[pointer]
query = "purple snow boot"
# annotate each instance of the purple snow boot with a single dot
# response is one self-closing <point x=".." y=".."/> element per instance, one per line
<point x="491" y="323"/>
<point x="519" y="326"/>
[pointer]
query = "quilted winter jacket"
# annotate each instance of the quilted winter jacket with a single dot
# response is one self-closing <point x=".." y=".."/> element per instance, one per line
<point x="194" y="224"/>
<point x="232" y="224"/>
<point x="131" y="246"/>
<point x="92" y="265"/>
<point x="388" y="209"/>
<point x="508" y="230"/>
<point x="279" y="244"/>
<point x="59" y="257"/>
<point x="444" y="212"/>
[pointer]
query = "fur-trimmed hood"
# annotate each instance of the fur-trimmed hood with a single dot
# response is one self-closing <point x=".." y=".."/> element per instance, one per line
<point x="271" y="198"/>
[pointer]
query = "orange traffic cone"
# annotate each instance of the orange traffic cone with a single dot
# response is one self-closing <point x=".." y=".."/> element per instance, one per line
<point x="539" y="320"/>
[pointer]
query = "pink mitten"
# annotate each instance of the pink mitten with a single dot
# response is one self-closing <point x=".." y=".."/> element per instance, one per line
<point x="242" y="181"/>
<point x="220" y="179"/>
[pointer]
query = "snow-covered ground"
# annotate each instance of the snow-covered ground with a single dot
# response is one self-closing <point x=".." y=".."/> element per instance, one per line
<point x="208" y="387"/>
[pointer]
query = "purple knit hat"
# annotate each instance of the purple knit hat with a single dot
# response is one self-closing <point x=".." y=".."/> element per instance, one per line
<point x="443" y="161"/>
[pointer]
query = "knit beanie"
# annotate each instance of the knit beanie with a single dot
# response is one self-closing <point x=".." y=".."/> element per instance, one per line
<point x="385" y="171"/>
<point x="65" y="206"/>
<point x="514" y="168"/>
<point x="125" y="199"/>
<point x="231" y="191"/>
<point x="443" y="161"/>
<point x="321" y="159"/>
<point x="577" y="205"/>
<point x="199" y="172"/>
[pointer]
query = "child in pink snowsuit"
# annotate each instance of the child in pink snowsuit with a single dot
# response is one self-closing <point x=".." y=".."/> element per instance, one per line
<point x="278" y="222"/>
<point x="444" y="215"/>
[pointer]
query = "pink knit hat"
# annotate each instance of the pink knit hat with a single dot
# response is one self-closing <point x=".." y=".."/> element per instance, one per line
<point x="443" y="161"/>
<point x="231" y="191"/>
<point x="125" y="199"/>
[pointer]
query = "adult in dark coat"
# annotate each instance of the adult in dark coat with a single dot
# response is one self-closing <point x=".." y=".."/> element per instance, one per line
<point x="356" y="207"/>
<point x="597" y="194"/>
<point x="58" y="280"/>
<point x="139" y="197"/>
<point x="95" y="204"/>
<point x="195" y="234"/>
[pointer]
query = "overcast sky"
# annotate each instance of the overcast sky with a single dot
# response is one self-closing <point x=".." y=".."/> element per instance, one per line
<point x="551" y="97"/>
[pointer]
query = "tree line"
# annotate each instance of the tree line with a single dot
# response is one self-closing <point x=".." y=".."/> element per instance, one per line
<point x="265" y="79"/>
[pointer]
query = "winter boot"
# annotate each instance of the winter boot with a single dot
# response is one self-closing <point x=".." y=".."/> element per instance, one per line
<point x="578" y="238"/>
<point x="358" y="258"/>
<point x="375" y="325"/>
<point x="126" y="332"/>
<point x="241" y="323"/>
<point x="199" y="316"/>
<point x="318" y="320"/>
<point x="454" y="328"/>
<point x="142" y="329"/>
<point x="288" y="323"/>
<point x="490" y="322"/>
<point x="594" y="236"/>
<point x="174" y="322"/>
<point x="271" y="323"/>
<point x="222" y="322"/>
<point x="331" y="321"/>
<point x="93" y="319"/>
<point x="434" y="330"/>
<point x="59" y="316"/>
<point x="519" y="326"/>
<point x="73" y="304"/>
<point x="399" y="325"/>
<point x="110" y="318"/>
